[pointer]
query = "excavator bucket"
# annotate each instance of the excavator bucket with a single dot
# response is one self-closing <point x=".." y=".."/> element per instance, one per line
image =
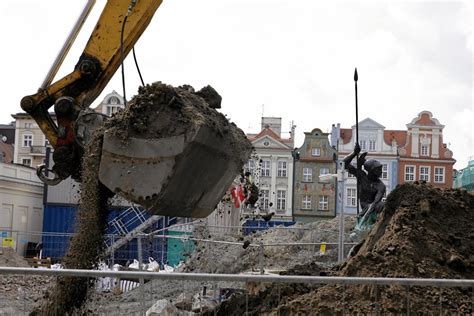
<point x="171" y="152"/>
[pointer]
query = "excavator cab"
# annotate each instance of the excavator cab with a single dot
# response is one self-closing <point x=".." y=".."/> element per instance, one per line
<point x="169" y="150"/>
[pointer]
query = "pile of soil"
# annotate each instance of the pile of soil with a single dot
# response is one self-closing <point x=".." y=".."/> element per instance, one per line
<point x="10" y="258"/>
<point x="423" y="232"/>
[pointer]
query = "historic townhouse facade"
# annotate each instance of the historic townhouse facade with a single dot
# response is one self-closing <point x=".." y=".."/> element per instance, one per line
<point x="381" y="145"/>
<point x="30" y="142"/>
<point x="272" y="170"/>
<point x="424" y="156"/>
<point x="313" y="198"/>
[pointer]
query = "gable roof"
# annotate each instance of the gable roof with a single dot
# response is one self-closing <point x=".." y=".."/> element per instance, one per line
<point x="369" y="123"/>
<point x="267" y="132"/>
<point x="399" y="136"/>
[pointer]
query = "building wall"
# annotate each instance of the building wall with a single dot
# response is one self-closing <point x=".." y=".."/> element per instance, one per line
<point x="272" y="151"/>
<point x="30" y="142"/>
<point x="425" y="151"/>
<point x="315" y="154"/>
<point x="21" y="202"/>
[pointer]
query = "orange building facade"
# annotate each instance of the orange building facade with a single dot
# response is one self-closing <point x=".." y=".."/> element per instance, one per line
<point x="425" y="157"/>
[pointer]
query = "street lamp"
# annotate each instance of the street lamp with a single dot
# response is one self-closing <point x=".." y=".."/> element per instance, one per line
<point x="296" y="156"/>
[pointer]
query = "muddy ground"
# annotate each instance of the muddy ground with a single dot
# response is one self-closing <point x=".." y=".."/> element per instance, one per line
<point x="423" y="232"/>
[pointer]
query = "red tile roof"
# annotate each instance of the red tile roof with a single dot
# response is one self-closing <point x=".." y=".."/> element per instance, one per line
<point x="272" y="134"/>
<point x="388" y="135"/>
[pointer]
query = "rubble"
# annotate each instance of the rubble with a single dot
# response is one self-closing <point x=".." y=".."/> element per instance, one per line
<point x="243" y="254"/>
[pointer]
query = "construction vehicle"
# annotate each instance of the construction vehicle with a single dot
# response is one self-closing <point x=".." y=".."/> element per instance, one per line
<point x="160" y="187"/>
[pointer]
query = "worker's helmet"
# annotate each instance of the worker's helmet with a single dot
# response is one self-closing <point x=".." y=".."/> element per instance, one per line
<point x="371" y="164"/>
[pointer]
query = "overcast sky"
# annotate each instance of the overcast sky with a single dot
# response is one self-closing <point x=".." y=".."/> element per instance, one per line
<point x="290" y="59"/>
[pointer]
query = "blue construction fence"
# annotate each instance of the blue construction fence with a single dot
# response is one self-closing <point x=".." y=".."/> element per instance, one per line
<point x="59" y="224"/>
<point x="252" y="226"/>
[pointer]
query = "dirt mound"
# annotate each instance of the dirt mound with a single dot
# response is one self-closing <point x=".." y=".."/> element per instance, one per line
<point x="423" y="232"/>
<point x="9" y="258"/>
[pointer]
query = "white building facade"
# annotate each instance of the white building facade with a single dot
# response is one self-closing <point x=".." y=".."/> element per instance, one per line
<point x="381" y="145"/>
<point x="21" y="205"/>
<point x="273" y="170"/>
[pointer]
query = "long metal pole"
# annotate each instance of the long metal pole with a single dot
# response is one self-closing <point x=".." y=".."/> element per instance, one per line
<point x="208" y="277"/>
<point x="67" y="44"/>
<point x="356" y="78"/>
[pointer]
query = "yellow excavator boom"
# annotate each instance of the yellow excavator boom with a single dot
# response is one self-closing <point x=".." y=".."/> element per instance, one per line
<point x="120" y="25"/>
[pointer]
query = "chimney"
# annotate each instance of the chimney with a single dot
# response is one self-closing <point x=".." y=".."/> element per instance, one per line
<point x="273" y="123"/>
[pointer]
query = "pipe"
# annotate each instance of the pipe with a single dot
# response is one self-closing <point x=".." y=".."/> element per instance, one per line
<point x="241" y="277"/>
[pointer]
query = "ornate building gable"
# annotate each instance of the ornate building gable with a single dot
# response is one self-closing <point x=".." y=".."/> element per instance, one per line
<point x="425" y="138"/>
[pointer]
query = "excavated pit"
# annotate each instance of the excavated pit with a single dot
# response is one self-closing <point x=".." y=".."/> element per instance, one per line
<point x="423" y="232"/>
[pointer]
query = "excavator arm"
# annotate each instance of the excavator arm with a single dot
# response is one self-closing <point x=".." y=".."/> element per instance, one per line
<point x="120" y="25"/>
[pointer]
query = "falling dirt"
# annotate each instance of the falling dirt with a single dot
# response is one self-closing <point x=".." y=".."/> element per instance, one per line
<point x="85" y="248"/>
<point x="423" y="232"/>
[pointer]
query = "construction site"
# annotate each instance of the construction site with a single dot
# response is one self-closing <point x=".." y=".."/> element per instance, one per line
<point x="416" y="236"/>
<point x="172" y="211"/>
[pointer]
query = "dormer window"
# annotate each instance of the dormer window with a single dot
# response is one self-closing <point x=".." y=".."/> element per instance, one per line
<point x="316" y="152"/>
<point x="114" y="100"/>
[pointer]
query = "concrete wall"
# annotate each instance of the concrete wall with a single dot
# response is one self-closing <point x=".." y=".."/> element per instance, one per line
<point x="21" y="204"/>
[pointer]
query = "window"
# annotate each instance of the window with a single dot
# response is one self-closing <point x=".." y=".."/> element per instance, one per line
<point x="315" y="152"/>
<point x="425" y="174"/>
<point x="28" y="125"/>
<point x="323" y="202"/>
<point x="424" y="150"/>
<point x="439" y="174"/>
<point x="307" y="174"/>
<point x="371" y="145"/>
<point x="264" y="199"/>
<point x="384" y="171"/>
<point x="111" y="109"/>
<point x="26" y="162"/>
<point x="281" y="200"/>
<point x="27" y="140"/>
<point x="409" y="173"/>
<point x="265" y="168"/>
<point x="114" y="100"/>
<point x="249" y="166"/>
<point x="323" y="171"/>
<point x="351" y="197"/>
<point x="306" y="202"/>
<point x="281" y="169"/>
<point x="363" y="145"/>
